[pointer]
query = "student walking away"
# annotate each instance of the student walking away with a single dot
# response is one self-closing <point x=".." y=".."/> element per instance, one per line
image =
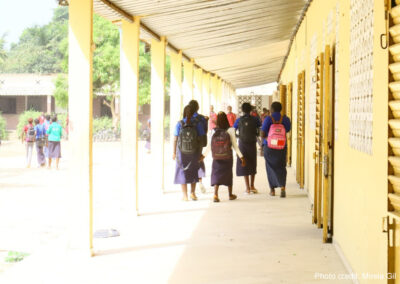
<point x="254" y="112"/>
<point x="264" y="114"/>
<point x="46" y="125"/>
<point x="54" y="133"/>
<point x="198" y="118"/>
<point x="212" y="123"/>
<point x="186" y="152"/>
<point x="248" y="127"/>
<point x="275" y="128"/>
<point x="40" y="141"/>
<point x="147" y="136"/>
<point x="28" y="135"/>
<point x="221" y="144"/>
<point x="231" y="116"/>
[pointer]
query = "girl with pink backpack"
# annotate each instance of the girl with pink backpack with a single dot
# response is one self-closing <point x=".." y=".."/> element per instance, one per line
<point x="273" y="132"/>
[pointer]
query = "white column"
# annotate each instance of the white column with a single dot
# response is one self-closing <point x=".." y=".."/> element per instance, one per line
<point x="157" y="110"/>
<point x="129" y="107"/>
<point x="176" y="102"/>
<point x="80" y="120"/>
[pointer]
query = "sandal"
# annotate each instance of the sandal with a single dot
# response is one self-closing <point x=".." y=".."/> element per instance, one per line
<point x="232" y="197"/>
<point x="216" y="199"/>
<point x="272" y="192"/>
<point x="193" y="197"/>
<point x="185" y="198"/>
<point x="254" y="190"/>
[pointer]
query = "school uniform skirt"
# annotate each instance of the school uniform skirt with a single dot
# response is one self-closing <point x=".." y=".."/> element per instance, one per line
<point x="275" y="163"/>
<point x="249" y="151"/>
<point x="202" y="168"/>
<point x="187" y="168"/>
<point x="221" y="173"/>
<point x="54" y="149"/>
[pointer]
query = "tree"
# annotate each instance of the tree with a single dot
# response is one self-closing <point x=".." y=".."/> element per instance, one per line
<point x="106" y="63"/>
<point x="61" y="91"/>
<point x="38" y="49"/>
<point x="3" y="52"/>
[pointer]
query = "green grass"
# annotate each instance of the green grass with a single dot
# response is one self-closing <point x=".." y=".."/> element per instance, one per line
<point x="15" y="256"/>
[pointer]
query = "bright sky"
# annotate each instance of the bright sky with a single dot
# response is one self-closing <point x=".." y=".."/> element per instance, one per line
<point x="16" y="15"/>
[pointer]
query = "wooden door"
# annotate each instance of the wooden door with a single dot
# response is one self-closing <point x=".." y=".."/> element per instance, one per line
<point x="300" y="128"/>
<point x="319" y="71"/>
<point x="392" y="227"/>
<point x="327" y="146"/>
<point x="289" y="115"/>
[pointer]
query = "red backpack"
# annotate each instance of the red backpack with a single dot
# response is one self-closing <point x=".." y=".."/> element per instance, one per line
<point x="221" y="145"/>
<point x="277" y="135"/>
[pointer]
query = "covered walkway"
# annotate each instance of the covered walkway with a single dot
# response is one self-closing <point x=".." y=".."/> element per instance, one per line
<point x="255" y="239"/>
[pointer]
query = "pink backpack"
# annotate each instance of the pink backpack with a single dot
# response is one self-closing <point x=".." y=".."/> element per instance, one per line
<point x="277" y="135"/>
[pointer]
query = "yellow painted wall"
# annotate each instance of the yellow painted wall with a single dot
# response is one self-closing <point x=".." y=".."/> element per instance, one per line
<point x="360" y="180"/>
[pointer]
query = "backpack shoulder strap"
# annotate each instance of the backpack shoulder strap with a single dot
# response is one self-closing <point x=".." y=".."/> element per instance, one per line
<point x="280" y="120"/>
<point x="273" y="120"/>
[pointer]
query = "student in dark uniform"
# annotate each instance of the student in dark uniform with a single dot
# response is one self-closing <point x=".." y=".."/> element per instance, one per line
<point x="221" y="144"/>
<point x="275" y="159"/>
<point x="186" y="152"/>
<point x="203" y="120"/>
<point x="248" y="127"/>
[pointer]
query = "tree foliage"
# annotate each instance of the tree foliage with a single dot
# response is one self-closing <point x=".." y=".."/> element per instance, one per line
<point x="44" y="50"/>
<point x="38" y="49"/>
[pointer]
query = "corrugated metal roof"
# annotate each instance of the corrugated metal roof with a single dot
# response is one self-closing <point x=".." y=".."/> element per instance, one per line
<point x="242" y="41"/>
<point x="26" y="85"/>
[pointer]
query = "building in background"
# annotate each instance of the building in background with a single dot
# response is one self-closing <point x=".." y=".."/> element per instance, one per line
<point x="21" y="92"/>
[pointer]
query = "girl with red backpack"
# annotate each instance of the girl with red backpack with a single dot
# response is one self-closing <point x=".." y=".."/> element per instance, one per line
<point x="221" y="144"/>
<point x="274" y="128"/>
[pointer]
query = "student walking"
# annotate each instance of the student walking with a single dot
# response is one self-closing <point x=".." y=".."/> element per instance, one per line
<point x="275" y="128"/>
<point x="40" y="141"/>
<point x="221" y="144"/>
<point x="212" y="123"/>
<point x="28" y="135"/>
<point x="54" y="133"/>
<point x="231" y="116"/>
<point x="186" y="152"/>
<point x="198" y="118"/>
<point x="264" y="114"/>
<point x="248" y="127"/>
<point x="46" y="125"/>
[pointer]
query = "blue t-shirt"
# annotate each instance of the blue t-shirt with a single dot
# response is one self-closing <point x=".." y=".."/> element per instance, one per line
<point x="258" y="122"/>
<point x="268" y="122"/>
<point x="40" y="131"/>
<point x="199" y="128"/>
<point x="202" y="120"/>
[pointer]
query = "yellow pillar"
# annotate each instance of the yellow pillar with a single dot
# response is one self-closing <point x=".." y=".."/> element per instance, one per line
<point x="176" y="103"/>
<point x="219" y="95"/>
<point x="198" y="87"/>
<point x="187" y="81"/>
<point x="206" y="94"/>
<point x="157" y="110"/>
<point x="213" y="88"/>
<point x="80" y="119"/>
<point x="129" y="107"/>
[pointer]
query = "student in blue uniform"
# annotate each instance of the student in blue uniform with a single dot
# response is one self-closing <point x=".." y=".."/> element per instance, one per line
<point x="275" y="160"/>
<point x="203" y="120"/>
<point x="221" y="144"/>
<point x="187" y="151"/>
<point x="248" y="127"/>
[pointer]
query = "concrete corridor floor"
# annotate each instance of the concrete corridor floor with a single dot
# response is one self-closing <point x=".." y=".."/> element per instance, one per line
<point x="254" y="239"/>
